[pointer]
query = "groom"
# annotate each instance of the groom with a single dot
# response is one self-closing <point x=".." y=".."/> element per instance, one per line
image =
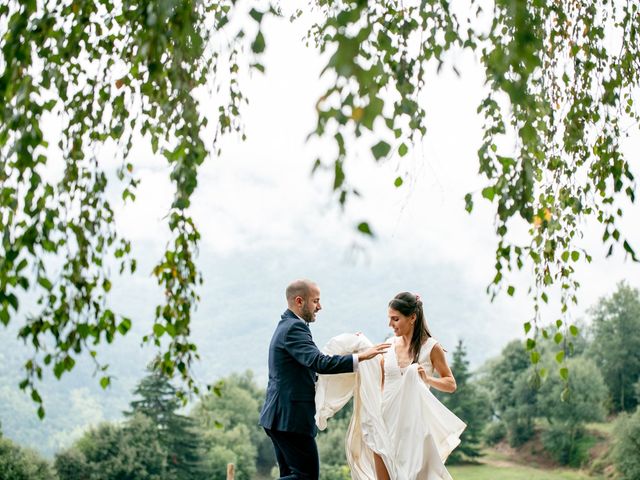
<point x="289" y="408"/>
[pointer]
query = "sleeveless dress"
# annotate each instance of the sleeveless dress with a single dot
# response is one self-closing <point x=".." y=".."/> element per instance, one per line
<point x="411" y="430"/>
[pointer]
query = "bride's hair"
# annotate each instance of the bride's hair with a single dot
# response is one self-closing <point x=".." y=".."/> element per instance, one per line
<point x="407" y="304"/>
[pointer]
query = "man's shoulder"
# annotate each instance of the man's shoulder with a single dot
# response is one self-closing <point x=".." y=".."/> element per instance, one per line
<point x="289" y="324"/>
<point x="295" y="326"/>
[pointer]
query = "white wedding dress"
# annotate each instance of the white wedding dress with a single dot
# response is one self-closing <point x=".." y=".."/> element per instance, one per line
<point x="405" y="424"/>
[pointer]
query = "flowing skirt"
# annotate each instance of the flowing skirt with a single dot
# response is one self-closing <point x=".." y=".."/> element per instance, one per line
<point x="411" y="430"/>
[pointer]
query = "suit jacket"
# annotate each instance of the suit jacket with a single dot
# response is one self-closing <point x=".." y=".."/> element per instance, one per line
<point x="294" y="361"/>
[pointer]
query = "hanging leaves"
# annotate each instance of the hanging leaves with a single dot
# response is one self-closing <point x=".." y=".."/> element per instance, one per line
<point x="104" y="72"/>
<point x="560" y="80"/>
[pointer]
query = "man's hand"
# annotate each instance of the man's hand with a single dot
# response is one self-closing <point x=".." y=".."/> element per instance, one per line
<point x="373" y="351"/>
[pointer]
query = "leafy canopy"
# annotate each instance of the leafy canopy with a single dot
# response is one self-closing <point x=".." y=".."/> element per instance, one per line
<point x="560" y="84"/>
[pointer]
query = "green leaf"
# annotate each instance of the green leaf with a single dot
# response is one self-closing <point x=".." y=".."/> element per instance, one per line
<point x="124" y="326"/>
<point x="158" y="330"/>
<point x="258" y="44"/>
<point x="83" y="330"/>
<point x="403" y="149"/>
<point x="511" y="290"/>
<point x="468" y="202"/>
<point x="575" y="255"/>
<point x="558" y="337"/>
<point x="560" y="356"/>
<point x="380" y="150"/>
<point x="58" y="369"/>
<point x="535" y="357"/>
<point x="105" y="382"/>
<point x="13" y="300"/>
<point x="363" y="227"/>
<point x="531" y="344"/>
<point x="629" y="250"/>
<point x="574" y="330"/>
<point x="4" y="315"/>
<point x="398" y="182"/>
<point x="256" y="15"/>
<point x="489" y="193"/>
<point x="69" y="363"/>
<point x="258" y="66"/>
<point x="35" y="396"/>
<point x="564" y="373"/>
<point x="527" y="327"/>
<point x="339" y="177"/>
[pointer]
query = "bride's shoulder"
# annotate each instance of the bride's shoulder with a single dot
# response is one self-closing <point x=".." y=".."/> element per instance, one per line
<point x="427" y="347"/>
<point x="430" y="343"/>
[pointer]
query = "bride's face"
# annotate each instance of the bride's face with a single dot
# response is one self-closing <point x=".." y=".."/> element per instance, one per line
<point x="401" y="324"/>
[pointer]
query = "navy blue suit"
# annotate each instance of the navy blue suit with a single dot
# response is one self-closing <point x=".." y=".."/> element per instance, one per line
<point x="289" y="408"/>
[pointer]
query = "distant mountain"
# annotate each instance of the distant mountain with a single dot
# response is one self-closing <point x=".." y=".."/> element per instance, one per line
<point x="242" y="299"/>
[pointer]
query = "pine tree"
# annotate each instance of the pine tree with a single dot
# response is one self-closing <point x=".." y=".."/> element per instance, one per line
<point x="178" y="434"/>
<point x="469" y="403"/>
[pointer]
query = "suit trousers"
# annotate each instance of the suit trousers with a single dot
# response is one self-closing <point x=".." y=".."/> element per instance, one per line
<point x="297" y="455"/>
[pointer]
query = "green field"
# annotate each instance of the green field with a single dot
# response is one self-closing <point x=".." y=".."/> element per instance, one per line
<point x="489" y="472"/>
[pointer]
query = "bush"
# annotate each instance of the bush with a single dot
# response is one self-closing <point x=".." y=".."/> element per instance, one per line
<point x="626" y="454"/>
<point x="584" y="403"/>
<point x="568" y="447"/>
<point x="17" y="463"/>
<point x="335" y="472"/>
<point x="519" y="428"/>
<point x="494" y="433"/>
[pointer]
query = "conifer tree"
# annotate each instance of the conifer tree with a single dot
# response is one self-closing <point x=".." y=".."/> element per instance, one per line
<point x="178" y="434"/>
<point x="471" y="404"/>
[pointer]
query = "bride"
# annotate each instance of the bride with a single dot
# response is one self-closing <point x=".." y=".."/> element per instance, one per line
<point x="399" y="430"/>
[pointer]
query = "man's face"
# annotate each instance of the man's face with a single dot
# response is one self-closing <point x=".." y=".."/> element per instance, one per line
<point x="311" y="305"/>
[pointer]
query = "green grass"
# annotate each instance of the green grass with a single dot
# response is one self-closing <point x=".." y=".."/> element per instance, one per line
<point x="606" y="428"/>
<point x="487" y="472"/>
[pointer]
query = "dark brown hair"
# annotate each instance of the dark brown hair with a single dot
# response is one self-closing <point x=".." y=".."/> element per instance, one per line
<point x="407" y="304"/>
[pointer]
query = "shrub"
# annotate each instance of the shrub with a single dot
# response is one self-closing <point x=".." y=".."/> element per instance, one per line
<point x="569" y="447"/>
<point x="626" y="451"/>
<point x="495" y="432"/>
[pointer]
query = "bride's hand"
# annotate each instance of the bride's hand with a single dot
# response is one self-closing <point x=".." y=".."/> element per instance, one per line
<point x="423" y="374"/>
<point x="373" y="351"/>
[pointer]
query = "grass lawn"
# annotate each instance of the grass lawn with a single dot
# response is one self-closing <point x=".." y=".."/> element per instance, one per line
<point x="606" y="428"/>
<point x="489" y="472"/>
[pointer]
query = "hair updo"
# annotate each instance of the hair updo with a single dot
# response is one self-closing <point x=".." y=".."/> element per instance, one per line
<point x="407" y="304"/>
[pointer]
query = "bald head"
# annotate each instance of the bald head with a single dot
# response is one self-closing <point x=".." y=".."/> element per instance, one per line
<point x="303" y="298"/>
<point x="299" y="288"/>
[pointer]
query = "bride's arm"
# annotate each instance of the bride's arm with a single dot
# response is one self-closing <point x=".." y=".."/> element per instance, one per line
<point x="446" y="382"/>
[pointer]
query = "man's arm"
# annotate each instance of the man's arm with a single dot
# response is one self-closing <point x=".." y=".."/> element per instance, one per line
<point x="299" y="343"/>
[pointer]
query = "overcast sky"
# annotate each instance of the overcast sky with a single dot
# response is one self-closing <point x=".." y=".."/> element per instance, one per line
<point x="259" y="193"/>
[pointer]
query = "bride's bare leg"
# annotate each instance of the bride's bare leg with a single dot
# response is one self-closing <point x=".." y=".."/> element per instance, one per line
<point x="381" y="469"/>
